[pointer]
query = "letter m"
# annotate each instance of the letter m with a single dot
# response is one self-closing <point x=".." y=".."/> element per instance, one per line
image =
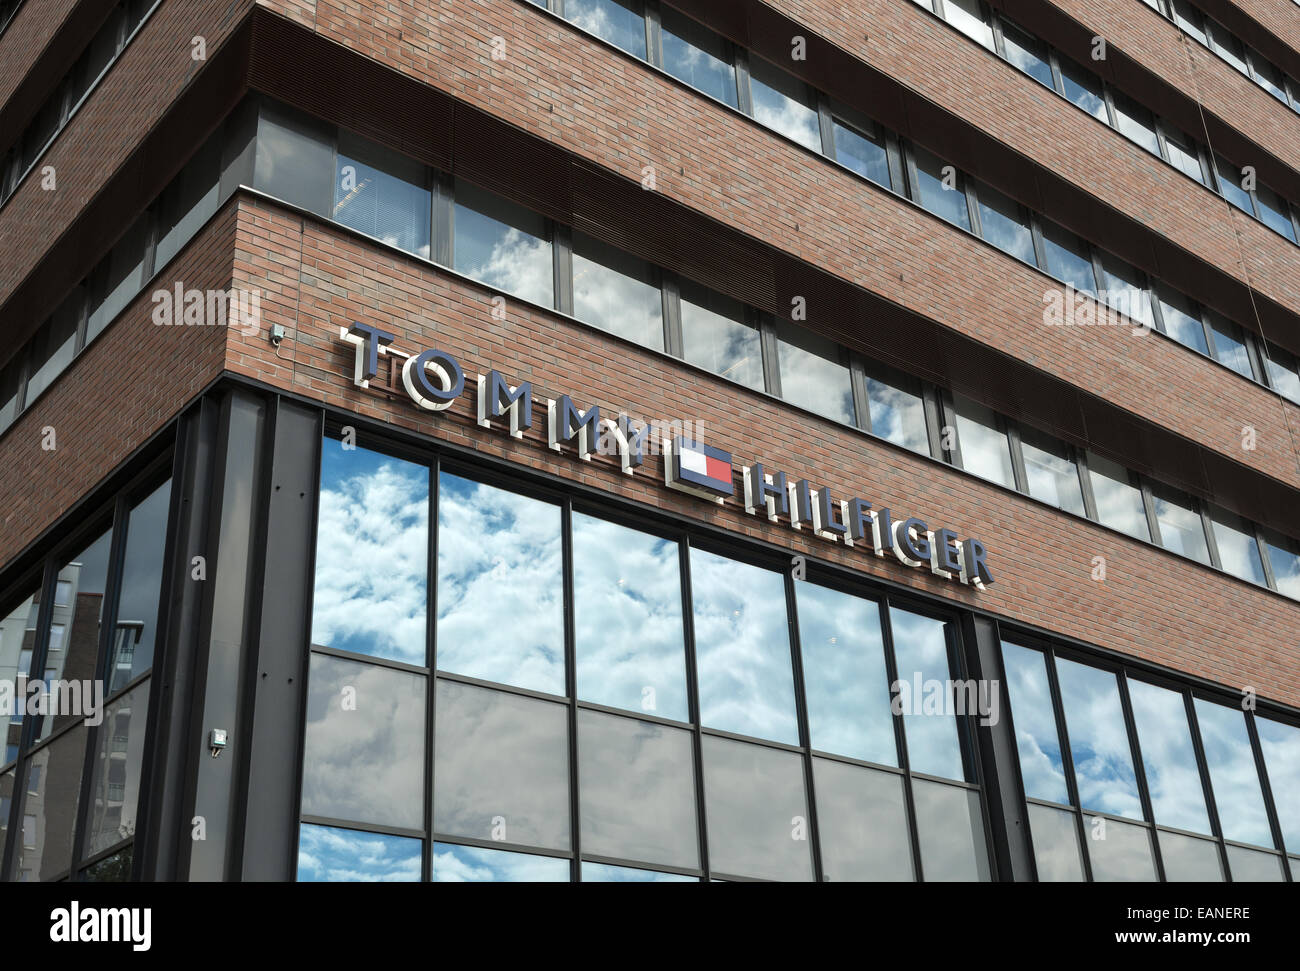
<point x="564" y="422"/>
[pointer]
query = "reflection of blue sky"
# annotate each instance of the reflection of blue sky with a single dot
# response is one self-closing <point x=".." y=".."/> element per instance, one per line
<point x="1281" y="746"/>
<point x="920" y="647"/>
<point x="897" y="416"/>
<point x="1238" y="551"/>
<point x="950" y="827"/>
<point x="372" y="554"/>
<point x="328" y="854"/>
<point x="1119" y="504"/>
<point x="607" y="873"/>
<point x="500" y="590"/>
<point x="628" y="619"/>
<point x="845" y="681"/>
<point x="862" y="155"/>
<point x="142" y="576"/>
<point x="687" y="60"/>
<point x="499" y="754"/>
<point x="1056" y="845"/>
<point x="861" y="823"/>
<point x="1181" y="529"/>
<point x="503" y="256"/>
<point x="1165" y="737"/>
<point x="1052" y="478"/>
<point x="383" y="206"/>
<point x="947" y="201"/>
<point x="723" y="345"/>
<point x="637" y="790"/>
<point x="1030" y="697"/>
<point x="984" y="448"/>
<point x="1066" y="260"/>
<point x="1286" y="569"/>
<point x="1094" y="719"/>
<point x="1123" y="856"/>
<point x="812" y="381"/>
<point x="366" y="764"/>
<point x="1233" y="777"/>
<point x="620" y="23"/>
<point x="1003" y="224"/>
<point x="778" y="104"/>
<point x="471" y="864"/>
<point x="613" y="300"/>
<point x="742" y="648"/>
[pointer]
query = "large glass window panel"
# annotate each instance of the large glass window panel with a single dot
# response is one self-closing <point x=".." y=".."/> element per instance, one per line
<point x="1068" y="258"/>
<point x="813" y="375"/>
<point x="1266" y="75"/>
<point x="628" y="619"/>
<point x="1229" y="346"/>
<point x="10" y="378"/>
<point x="617" y="292"/>
<point x="1233" y="777"/>
<point x="17" y="639"/>
<point x="984" y="446"/>
<point x="950" y="828"/>
<point x="365" y="750"/>
<point x="1181" y="320"/>
<point x="863" y="152"/>
<point x="1189" y="860"/>
<point x="329" y="854"/>
<point x="742" y="648"/>
<point x="1057" y="856"/>
<point x="621" y="22"/>
<point x="929" y="724"/>
<point x="696" y="55"/>
<point x="1125" y="290"/>
<point x="472" y="864"/>
<point x="1284" y="558"/>
<point x="382" y="194"/>
<point x="115" y="773"/>
<point x="756" y="810"/>
<point x="1183" y="154"/>
<point x="1282" y="374"/>
<point x="1119" y="502"/>
<point x="861" y="823"/>
<point x="1051" y="472"/>
<point x="1083" y="88"/>
<point x="53" y="346"/>
<point x="1119" y="852"/>
<point x="1005" y="224"/>
<point x="637" y="790"/>
<point x="500" y="589"/>
<point x="845" y="682"/>
<point x="50" y="807"/>
<point x="1274" y="212"/>
<point x="1099" y="745"/>
<point x="501" y="767"/>
<point x="294" y="158"/>
<point x="1226" y="45"/>
<point x="1042" y="767"/>
<point x="1280" y="744"/>
<point x="1026" y="52"/>
<point x="43" y="127"/>
<point x="117" y="279"/>
<point x="1238" y="551"/>
<point x="1190" y="19"/>
<point x="939" y="189"/>
<point x="502" y="245"/>
<point x="1181" y="528"/>
<point x="968" y="16"/>
<point x="96" y="58"/>
<point x="896" y="406"/>
<point x="782" y="102"/>
<point x="1135" y="122"/>
<point x="608" y="873"/>
<point x="372" y="554"/>
<point x="188" y="202"/>
<point x="1168" y="757"/>
<point x="1252" y="866"/>
<point x="136" y="633"/>
<point x="1230" y="183"/>
<point x="716" y="336"/>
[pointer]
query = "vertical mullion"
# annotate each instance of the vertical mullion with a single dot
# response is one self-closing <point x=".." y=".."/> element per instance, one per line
<point x="971" y="193"/>
<point x="1018" y="472"/>
<point x="805" y="732"/>
<point x="562" y="262"/>
<point x="570" y="690"/>
<point x="653" y="37"/>
<point x="948" y="421"/>
<point x="744" y="94"/>
<point x="861" y="399"/>
<point x="1207" y="784"/>
<point x="1085" y="484"/>
<point x="933" y="420"/>
<point x="1067" y="760"/>
<point x="671" y="300"/>
<point x="1207" y="525"/>
<point x="1157" y="313"/>
<point x="693" y="701"/>
<point x="431" y="661"/>
<point x="1036" y="232"/>
<point x="1149" y="505"/>
<point x="825" y="123"/>
<point x="1270" y="578"/>
<point x="444" y="220"/>
<point x="900" y="738"/>
<point x="771" y="353"/>
<point x="1139" y="769"/>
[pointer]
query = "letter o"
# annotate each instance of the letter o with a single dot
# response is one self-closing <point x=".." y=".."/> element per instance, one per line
<point x="426" y="394"/>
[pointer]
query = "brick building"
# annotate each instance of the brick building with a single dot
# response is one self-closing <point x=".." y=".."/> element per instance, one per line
<point x="651" y="439"/>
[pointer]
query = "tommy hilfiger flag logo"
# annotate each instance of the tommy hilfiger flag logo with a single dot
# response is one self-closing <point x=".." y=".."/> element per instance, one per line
<point x="700" y="469"/>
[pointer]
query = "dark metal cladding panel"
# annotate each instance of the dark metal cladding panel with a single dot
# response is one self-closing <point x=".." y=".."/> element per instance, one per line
<point x="507" y="160"/>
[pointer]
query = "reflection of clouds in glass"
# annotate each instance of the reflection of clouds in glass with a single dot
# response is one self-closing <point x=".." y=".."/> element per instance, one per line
<point x="984" y="448"/>
<point x="1056" y="844"/>
<point x="372" y="555"/>
<point x="501" y="755"/>
<point x="383" y="206"/>
<point x="142" y="576"/>
<point x="1119" y="504"/>
<point x="1165" y="738"/>
<point x="897" y="416"/>
<point x="950" y="828"/>
<point x="1041" y="766"/>
<point x="470" y="864"/>
<point x="1281" y="746"/>
<point x="1233" y="777"/>
<point x="500" y="609"/>
<point x="504" y="257"/>
<point x="742" y="648"/>
<point x="327" y="854"/>
<point x="1252" y="866"/>
<point x="608" y="873"/>
<point x="688" y="61"/>
<point x="619" y="23"/>
<point x="364" y="764"/>
<point x="628" y="619"/>
<point x="921" y="648"/>
<point x="727" y="347"/>
<point x="620" y="304"/>
<point x="778" y="110"/>
<point x="862" y="155"/>
<point x="813" y="382"/>
<point x="117" y="763"/>
<point x="1123" y="856"/>
<point x="1094" y="718"/>
<point x="1187" y="859"/>
<point x="845" y="682"/>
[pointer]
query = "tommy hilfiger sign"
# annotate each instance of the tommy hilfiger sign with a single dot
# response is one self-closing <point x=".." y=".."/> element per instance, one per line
<point x="434" y="380"/>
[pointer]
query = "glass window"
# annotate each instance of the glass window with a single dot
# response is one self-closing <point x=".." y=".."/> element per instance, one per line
<point x="1005" y="224"/>
<point x="1057" y="855"/>
<point x="53" y="347"/>
<point x="984" y="447"/>
<point x="500" y="596"/>
<point x="1119" y="502"/>
<point x="1125" y="290"/>
<point x="756" y="810"/>
<point x="10" y="377"/>
<point x="118" y="278"/>
<point x="1233" y="777"/>
<point x="1181" y="320"/>
<point x="115" y="772"/>
<point x="1135" y="122"/>
<point x="628" y="619"/>
<point x="621" y="22"/>
<point x="1188" y="859"/>
<point x="142" y="582"/>
<point x="1189" y="18"/>
<point x="608" y="873"/>
<point x="364" y="755"/>
<point x="813" y="375"/>
<point x="939" y="189"/>
<point x="1280" y="744"/>
<point x="374" y="510"/>
<point x="1274" y="212"/>
<point x="742" y="648"/>
<point x="1026" y="52"/>
<point x="188" y="202"/>
<point x="926" y="698"/>
<point x="844" y="675"/>
<point x="1252" y="866"/>
<point x="1083" y="88"/>
<point x="43" y="127"/>
<point x="897" y="409"/>
<point x="1226" y="45"/>
<point x="1051" y="473"/>
<point x="1094" y="718"/>
<point x="500" y="767"/>
<point x="294" y="160"/>
<point x="1169" y="757"/>
<point x="782" y="102"/>
<point x="637" y="790"/>
<point x="1119" y="852"/>
<point x="968" y="16"/>
<point x="96" y="58"/>
<point x="861" y="823"/>
<point x="329" y="854"/>
<point x="1068" y="258"/>
<point x="1183" y="154"/>
<point x="472" y="864"/>
<point x="1266" y="75"/>
<point x="1285" y="560"/>
<point x="1282" y="375"/>
<point x="696" y="55"/>
<point x="1238" y="551"/>
<point x="1230" y="184"/>
<point x="1229" y="345"/>
<point x="17" y="634"/>
<point x="716" y="336"/>
<point x="864" y="153"/>
<point x="950" y="828"/>
<point x="617" y="292"/>
<point x="1181" y="529"/>
<point x="53" y="796"/>
<point x="502" y="245"/>
<point x="76" y="654"/>
<point x="382" y="194"/>
<point x="1042" y="768"/>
